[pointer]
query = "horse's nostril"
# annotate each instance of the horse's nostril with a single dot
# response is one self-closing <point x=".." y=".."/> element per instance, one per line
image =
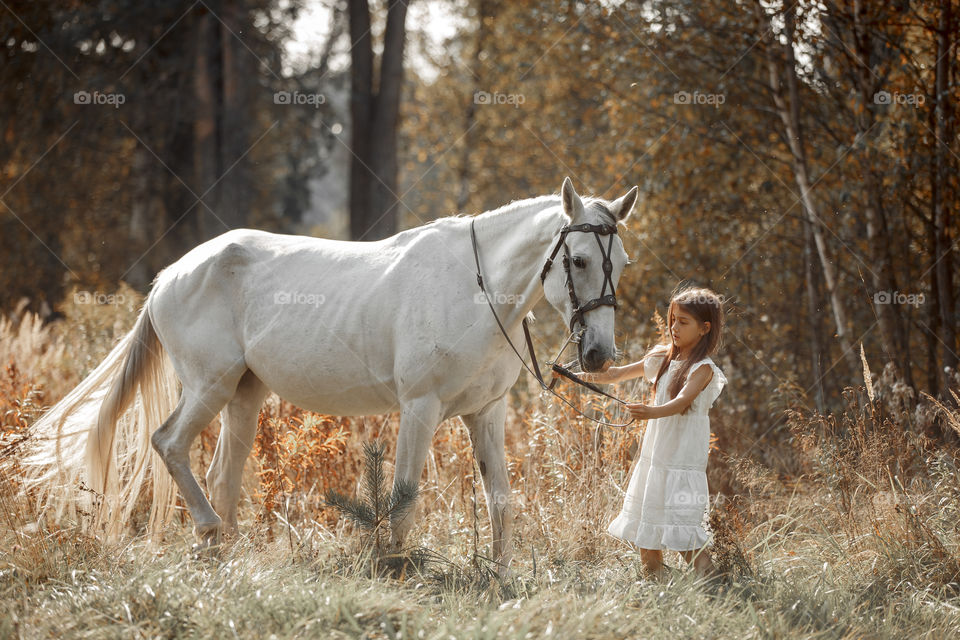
<point x="592" y="358"/>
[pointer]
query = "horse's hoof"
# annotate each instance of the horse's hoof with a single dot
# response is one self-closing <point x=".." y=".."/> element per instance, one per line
<point x="209" y="546"/>
<point x="200" y="551"/>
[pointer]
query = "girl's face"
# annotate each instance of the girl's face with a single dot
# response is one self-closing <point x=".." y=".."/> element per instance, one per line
<point x="685" y="330"/>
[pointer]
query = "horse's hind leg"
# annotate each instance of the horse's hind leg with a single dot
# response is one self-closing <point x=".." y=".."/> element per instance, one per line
<point x="238" y="430"/>
<point x="198" y="405"/>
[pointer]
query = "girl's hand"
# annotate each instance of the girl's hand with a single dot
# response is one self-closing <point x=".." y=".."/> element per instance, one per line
<point x="642" y="411"/>
<point x="609" y="375"/>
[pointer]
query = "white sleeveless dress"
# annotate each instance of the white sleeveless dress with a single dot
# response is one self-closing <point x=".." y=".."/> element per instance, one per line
<point x="668" y="495"/>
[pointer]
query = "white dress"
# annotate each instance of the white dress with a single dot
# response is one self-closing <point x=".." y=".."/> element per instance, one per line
<point x="668" y="495"/>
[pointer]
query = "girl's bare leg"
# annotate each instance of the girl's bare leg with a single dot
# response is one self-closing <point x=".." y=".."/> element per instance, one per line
<point x="702" y="564"/>
<point x="653" y="562"/>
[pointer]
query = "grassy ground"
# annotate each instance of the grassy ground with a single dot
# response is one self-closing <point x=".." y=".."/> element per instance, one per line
<point x="858" y="539"/>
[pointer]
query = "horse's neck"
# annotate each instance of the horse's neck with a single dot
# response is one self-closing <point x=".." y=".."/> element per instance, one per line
<point x="514" y="244"/>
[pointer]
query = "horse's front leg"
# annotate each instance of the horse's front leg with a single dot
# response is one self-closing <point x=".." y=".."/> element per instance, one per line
<point x="486" y="433"/>
<point x="418" y="422"/>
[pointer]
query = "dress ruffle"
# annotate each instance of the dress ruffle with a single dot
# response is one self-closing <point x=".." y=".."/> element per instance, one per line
<point x="664" y="507"/>
<point x="659" y="536"/>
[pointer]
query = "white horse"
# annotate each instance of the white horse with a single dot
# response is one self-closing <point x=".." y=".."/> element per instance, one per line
<point x="340" y="328"/>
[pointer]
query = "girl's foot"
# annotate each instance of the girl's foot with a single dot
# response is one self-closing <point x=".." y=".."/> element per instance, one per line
<point x="653" y="566"/>
<point x="708" y="570"/>
<point x="664" y="575"/>
<point x="715" y="581"/>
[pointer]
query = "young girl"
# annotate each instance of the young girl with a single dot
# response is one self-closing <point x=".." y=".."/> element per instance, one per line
<point x="667" y="495"/>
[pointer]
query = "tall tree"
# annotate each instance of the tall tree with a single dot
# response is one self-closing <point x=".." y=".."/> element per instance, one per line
<point x="375" y="113"/>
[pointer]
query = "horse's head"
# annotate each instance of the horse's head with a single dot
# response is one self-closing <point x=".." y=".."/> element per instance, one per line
<point x="577" y="283"/>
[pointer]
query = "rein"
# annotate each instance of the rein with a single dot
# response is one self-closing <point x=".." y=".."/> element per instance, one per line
<point x="577" y="316"/>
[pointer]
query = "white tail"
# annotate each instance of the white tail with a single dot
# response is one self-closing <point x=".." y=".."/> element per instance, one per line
<point x="99" y="435"/>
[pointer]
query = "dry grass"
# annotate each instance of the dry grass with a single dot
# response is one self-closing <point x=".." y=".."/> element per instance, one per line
<point x="862" y="541"/>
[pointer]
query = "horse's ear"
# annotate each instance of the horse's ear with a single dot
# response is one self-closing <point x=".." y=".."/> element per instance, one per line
<point x="623" y="206"/>
<point x="572" y="205"/>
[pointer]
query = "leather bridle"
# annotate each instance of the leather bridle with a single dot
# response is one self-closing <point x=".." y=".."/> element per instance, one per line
<point x="609" y="299"/>
<point x="578" y="309"/>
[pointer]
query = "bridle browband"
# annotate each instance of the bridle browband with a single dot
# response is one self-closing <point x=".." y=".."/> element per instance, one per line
<point x="578" y="309"/>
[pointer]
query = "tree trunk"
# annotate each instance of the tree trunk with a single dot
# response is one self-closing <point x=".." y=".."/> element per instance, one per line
<point x="375" y="118"/>
<point x="384" y="205"/>
<point x="147" y="220"/>
<point x="233" y="195"/>
<point x="813" y="312"/>
<point x="942" y="196"/>
<point x="790" y="116"/>
<point x="361" y="110"/>
<point x="205" y="154"/>
<point x="932" y="330"/>
<point x="484" y="11"/>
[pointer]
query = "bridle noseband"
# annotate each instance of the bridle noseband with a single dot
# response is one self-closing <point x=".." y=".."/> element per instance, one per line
<point x="609" y="299"/>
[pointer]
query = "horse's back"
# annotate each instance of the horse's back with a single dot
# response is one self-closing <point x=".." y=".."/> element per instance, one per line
<point x="313" y="318"/>
<point x="242" y="248"/>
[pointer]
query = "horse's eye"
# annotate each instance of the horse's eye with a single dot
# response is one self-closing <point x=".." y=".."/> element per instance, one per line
<point x="579" y="262"/>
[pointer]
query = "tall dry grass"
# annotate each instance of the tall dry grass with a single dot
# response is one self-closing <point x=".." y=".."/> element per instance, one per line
<point x="855" y="536"/>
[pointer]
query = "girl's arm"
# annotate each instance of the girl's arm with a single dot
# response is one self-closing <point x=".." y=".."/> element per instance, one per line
<point x="696" y="383"/>
<point x="627" y="371"/>
<point x="615" y="374"/>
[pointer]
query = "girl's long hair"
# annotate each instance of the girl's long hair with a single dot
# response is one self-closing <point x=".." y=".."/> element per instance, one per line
<point x="705" y="306"/>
